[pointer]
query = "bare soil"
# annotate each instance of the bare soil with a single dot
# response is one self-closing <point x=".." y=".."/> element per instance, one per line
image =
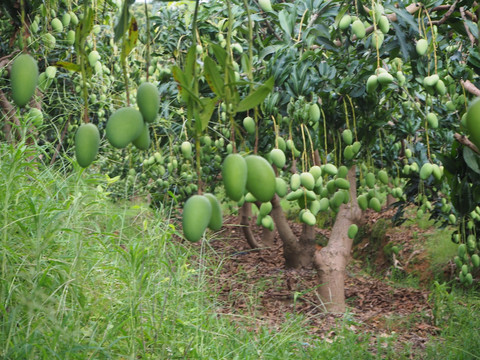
<point x="254" y="284"/>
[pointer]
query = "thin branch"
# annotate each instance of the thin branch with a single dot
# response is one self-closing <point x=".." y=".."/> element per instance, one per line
<point x="462" y="139"/>
<point x="446" y="15"/>
<point x="470" y="35"/>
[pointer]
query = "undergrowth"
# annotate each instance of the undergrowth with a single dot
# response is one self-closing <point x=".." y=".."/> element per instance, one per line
<point x="86" y="278"/>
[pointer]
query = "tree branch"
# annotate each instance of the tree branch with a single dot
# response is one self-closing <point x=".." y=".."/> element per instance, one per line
<point x="462" y="139"/>
<point x="446" y="15"/>
<point x="470" y="87"/>
<point x="470" y="35"/>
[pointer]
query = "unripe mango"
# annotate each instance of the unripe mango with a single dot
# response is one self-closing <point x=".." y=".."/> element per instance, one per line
<point x="421" y="47"/>
<point x="280" y="187"/>
<point x="278" y="158"/>
<point x="473" y="122"/>
<point x="330" y="169"/>
<point x="23" y="77"/>
<point x="186" y="149"/>
<point x="124" y="125"/>
<point x="384" y="24"/>
<point x="345" y="22"/>
<point x="432" y="120"/>
<point x="383" y="177"/>
<point x="307" y="180"/>
<point x="347" y="136"/>
<point x="234" y="174"/>
<point x="260" y="178"/>
<point x="372" y="83"/>
<point x="426" y="171"/>
<point x="249" y="125"/>
<point x="87" y="142"/>
<point x="148" y="101"/>
<point x="308" y="218"/>
<point x="216" y="220"/>
<point x="142" y="142"/>
<point x="314" y="112"/>
<point x="57" y="25"/>
<point x="358" y="29"/>
<point x="352" y="231"/>
<point x="374" y="204"/>
<point x="197" y="213"/>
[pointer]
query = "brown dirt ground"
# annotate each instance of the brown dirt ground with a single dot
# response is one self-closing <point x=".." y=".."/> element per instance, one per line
<point x="256" y="285"/>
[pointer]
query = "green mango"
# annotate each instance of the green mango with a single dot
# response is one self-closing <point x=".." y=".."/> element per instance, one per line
<point x="280" y="187"/>
<point x="278" y="158"/>
<point x="370" y="180"/>
<point x="123" y="126"/>
<point x="473" y="121"/>
<point x="372" y="83"/>
<point x="421" y="47"/>
<point x="216" y="219"/>
<point x="307" y="180"/>
<point x="358" y="29"/>
<point x="383" y="177"/>
<point x="308" y="218"/>
<point x="260" y="178"/>
<point x="142" y="142"/>
<point x="186" y="149"/>
<point x="148" y="101"/>
<point x="344" y="22"/>
<point x="249" y="125"/>
<point x="197" y="213"/>
<point x="374" y="204"/>
<point x="342" y="183"/>
<point x="87" y="142"/>
<point x="23" y="79"/>
<point x="329" y="169"/>
<point x="426" y="171"/>
<point x="347" y="136"/>
<point x="314" y="112"/>
<point x="234" y="174"/>
<point x="352" y="231"/>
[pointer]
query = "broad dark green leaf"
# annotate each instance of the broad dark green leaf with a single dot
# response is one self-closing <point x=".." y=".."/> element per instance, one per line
<point x="471" y="159"/>
<point x="257" y="96"/>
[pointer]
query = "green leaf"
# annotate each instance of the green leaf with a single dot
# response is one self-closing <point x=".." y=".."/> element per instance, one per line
<point x="208" y="106"/>
<point x="257" y="96"/>
<point x="68" y="65"/>
<point x="214" y="79"/>
<point x="220" y="54"/>
<point x="123" y="20"/>
<point x="284" y="23"/>
<point x="471" y="159"/>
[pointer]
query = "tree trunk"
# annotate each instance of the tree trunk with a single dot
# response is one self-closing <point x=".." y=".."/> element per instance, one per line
<point x="267" y="237"/>
<point x="297" y="253"/>
<point x="245" y="214"/>
<point x="331" y="261"/>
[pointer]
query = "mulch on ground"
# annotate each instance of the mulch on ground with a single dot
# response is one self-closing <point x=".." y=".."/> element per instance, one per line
<point x="254" y="284"/>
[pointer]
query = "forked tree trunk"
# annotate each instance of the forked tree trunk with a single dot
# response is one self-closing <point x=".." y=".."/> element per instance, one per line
<point x="331" y="261"/>
<point x="298" y="253"/>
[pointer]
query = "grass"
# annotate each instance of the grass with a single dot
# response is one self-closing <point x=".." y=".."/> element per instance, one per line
<point x="85" y="278"/>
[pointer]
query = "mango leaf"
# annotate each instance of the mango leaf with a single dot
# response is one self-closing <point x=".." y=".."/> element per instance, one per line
<point x="190" y="64"/>
<point x="203" y="116"/>
<point x="220" y="54"/>
<point x="83" y="29"/>
<point x="214" y="79"/>
<point x="68" y="66"/>
<point x="132" y="38"/>
<point x="257" y="96"/>
<point x="183" y="84"/>
<point x="471" y="159"/>
<point x="123" y="20"/>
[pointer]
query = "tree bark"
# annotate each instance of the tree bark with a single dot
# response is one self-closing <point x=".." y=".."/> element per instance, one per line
<point x="245" y="214"/>
<point x="267" y="237"/>
<point x="331" y="261"/>
<point x="296" y="252"/>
